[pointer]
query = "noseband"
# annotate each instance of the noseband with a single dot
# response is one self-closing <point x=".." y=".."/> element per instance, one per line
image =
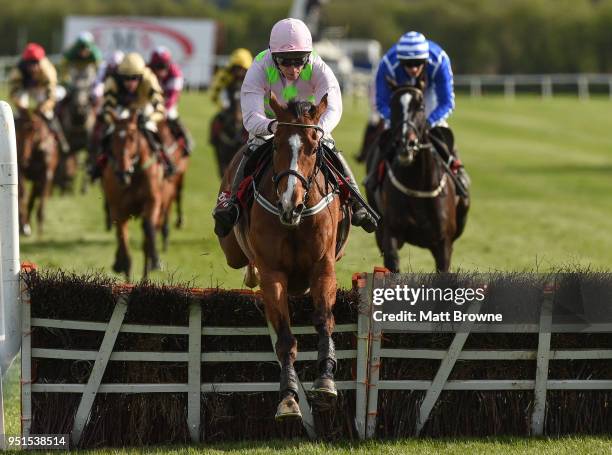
<point x="307" y="182"/>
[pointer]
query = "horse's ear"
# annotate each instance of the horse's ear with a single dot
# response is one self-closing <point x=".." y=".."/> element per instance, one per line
<point x="321" y="107"/>
<point x="391" y="83"/>
<point x="276" y="106"/>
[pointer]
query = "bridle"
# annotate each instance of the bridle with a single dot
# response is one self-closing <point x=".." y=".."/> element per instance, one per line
<point x="306" y="182"/>
<point x="124" y="175"/>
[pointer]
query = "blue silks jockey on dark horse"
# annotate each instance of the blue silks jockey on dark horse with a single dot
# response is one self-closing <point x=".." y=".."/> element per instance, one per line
<point x="416" y="167"/>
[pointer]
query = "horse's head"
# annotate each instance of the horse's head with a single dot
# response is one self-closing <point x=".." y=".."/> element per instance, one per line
<point x="296" y="145"/>
<point x="79" y="105"/>
<point x="125" y="145"/>
<point x="408" y="123"/>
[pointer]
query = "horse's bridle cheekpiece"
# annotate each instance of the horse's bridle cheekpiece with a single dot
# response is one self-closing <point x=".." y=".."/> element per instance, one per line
<point x="307" y="182"/>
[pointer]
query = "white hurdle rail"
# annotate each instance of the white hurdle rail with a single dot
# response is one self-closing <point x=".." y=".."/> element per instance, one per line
<point x="433" y="389"/>
<point x="194" y="357"/>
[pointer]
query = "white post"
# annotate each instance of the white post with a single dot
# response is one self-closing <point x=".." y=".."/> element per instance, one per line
<point x="10" y="310"/>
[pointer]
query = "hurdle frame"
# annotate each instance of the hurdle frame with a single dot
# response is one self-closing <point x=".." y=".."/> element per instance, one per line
<point x="194" y="357"/>
<point x="433" y="389"/>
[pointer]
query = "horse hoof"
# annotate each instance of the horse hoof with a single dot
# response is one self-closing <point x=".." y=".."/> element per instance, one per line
<point x="179" y="223"/>
<point x="251" y="277"/>
<point x="288" y="409"/>
<point x="26" y="230"/>
<point x="325" y="387"/>
<point x="156" y="264"/>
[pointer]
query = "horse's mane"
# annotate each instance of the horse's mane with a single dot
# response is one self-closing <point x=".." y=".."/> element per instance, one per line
<point x="300" y="108"/>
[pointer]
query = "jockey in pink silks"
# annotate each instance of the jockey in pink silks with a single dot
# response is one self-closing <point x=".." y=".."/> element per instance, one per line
<point x="293" y="72"/>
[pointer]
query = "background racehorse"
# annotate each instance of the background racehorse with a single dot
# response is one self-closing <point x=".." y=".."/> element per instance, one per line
<point x="227" y="133"/>
<point x="293" y="249"/>
<point x="417" y="198"/>
<point x="37" y="156"/>
<point x="76" y="115"/>
<point x="132" y="182"/>
<point x="173" y="185"/>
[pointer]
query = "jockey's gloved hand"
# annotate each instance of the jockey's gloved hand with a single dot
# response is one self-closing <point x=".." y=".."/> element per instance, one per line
<point x="386" y="124"/>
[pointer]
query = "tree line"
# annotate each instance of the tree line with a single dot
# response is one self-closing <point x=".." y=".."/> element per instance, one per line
<point x="481" y="36"/>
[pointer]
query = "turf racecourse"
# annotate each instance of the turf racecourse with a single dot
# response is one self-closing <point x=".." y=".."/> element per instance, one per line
<point x="541" y="173"/>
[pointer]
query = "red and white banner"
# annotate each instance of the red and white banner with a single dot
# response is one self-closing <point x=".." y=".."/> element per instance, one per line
<point x="191" y="41"/>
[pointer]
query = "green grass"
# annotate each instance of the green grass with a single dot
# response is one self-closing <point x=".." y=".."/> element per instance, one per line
<point x="541" y="173"/>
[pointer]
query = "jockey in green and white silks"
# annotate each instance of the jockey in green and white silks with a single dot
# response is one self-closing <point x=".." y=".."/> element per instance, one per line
<point x="293" y="72"/>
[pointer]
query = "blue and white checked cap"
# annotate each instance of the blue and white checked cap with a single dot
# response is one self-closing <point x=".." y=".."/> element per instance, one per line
<point x="412" y="46"/>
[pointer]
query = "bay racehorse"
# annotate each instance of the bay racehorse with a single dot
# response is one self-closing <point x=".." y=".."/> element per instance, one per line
<point x="227" y="133"/>
<point x="37" y="158"/>
<point x="417" y="197"/>
<point x="292" y="234"/>
<point x="132" y="183"/>
<point x="173" y="185"/>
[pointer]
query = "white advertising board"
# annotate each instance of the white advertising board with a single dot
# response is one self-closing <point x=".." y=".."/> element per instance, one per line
<point x="191" y="41"/>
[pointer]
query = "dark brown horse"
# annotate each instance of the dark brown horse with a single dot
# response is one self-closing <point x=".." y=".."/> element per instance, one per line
<point x="227" y="133"/>
<point x="173" y="185"/>
<point x="289" y="236"/>
<point x="417" y="198"/>
<point x="77" y="116"/>
<point x="132" y="182"/>
<point x="38" y="157"/>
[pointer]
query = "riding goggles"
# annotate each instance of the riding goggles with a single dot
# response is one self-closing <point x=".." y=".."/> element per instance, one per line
<point x="132" y="77"/>
<point x="413" y="63"/>
<point x="292" y="61"/>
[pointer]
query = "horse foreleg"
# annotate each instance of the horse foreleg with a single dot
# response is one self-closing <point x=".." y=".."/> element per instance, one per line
<point x="274" y="290"/>
<point x="165" y="231"/>
<point x="179" y="202"/>
<point x="123" y="262"/>
<point x="442" y="252"/>
<point x="390" y="247"/>
<point x="24" y="227"/>
<point x="323" y="288"/>
<point x="45" y="192"/>
<point x="151" y="257"/>
<point x="35" y="192"/>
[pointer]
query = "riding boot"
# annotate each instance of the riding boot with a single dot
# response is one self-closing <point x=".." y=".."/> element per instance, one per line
<point x="360" y="217"/>
<point x="58" y="132"/>
<point x="180" y="132"/>
<point x="457" y="167"/>
<point x="227" y="211"/>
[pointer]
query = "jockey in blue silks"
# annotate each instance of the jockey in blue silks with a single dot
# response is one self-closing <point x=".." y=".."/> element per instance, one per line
<point x="415" y="60"/>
